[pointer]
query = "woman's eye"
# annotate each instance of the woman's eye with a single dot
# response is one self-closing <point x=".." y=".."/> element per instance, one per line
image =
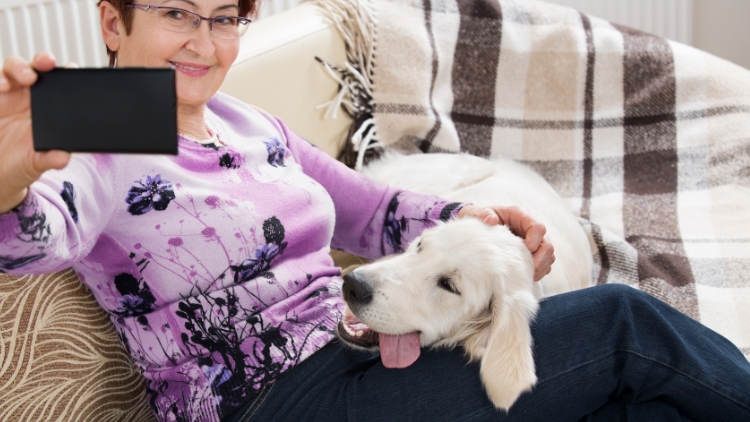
<point x="225" y="21"/>
<point x="175" y="14"/>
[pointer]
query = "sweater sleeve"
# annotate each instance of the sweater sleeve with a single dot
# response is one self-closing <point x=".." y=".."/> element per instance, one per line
<point x="60" y="219"/>
<point x="372" y="219"/>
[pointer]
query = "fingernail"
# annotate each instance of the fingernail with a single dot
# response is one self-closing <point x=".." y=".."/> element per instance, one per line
<point x="26" y="71"/>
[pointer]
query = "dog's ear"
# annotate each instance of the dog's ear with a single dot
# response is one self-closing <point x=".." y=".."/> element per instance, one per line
<point x="507" y="366"/>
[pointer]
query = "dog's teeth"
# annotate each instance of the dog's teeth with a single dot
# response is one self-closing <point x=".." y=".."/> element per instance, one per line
<point x="359" y="333"/>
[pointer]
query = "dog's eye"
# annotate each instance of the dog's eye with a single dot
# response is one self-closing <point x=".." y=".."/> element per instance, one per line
<point x="446" y="283"/>
<point x="419" y="246"/>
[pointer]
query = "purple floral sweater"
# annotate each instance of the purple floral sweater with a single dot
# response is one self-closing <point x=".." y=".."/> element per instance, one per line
<point x="214" y="264"/>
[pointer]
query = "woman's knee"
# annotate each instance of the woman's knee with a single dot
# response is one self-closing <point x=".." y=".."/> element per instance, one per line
<point x="599" y="305"/>
<point x="617" y="290"/>
<point x="618" y="295"/>
<point x="606" y="297"/>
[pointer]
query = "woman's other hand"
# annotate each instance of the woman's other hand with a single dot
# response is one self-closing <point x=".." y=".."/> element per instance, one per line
<point x="523" y="225"/>
<point x="20" y="164"/>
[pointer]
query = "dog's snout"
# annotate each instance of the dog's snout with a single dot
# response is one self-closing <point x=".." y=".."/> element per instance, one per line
<point x="356" y="290"/>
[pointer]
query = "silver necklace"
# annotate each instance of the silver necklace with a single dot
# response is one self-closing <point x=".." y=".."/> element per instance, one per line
<point x="213" y="140"/>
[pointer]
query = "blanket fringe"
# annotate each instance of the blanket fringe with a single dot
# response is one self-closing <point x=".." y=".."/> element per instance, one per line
<point x="355" y="21"/>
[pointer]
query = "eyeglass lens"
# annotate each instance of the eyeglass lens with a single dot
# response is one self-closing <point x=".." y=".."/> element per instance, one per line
<point x="178" y="20"/>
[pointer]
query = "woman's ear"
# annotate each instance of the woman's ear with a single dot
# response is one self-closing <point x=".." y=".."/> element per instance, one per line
<point x="110" y="19"/>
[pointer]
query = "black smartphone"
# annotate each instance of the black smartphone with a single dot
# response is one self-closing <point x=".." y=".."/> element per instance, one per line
<point x="128" y="110"/>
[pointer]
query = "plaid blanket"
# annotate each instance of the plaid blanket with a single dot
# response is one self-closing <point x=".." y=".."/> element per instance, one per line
<point x="648" y="140"/>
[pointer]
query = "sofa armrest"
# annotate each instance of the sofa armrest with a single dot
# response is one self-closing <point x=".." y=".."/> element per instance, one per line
<point x="276" y="70"/>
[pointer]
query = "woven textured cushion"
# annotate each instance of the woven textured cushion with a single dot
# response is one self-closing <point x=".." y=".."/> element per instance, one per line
<point x="60" y="358"/>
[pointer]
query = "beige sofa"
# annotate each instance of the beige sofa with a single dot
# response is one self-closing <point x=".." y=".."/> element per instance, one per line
<point x="60" y="359"/>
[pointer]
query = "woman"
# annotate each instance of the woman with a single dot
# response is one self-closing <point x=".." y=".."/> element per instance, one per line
<point x="214" y="264"/>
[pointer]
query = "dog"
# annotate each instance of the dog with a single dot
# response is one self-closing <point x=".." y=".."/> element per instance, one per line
<point x="463" y="282"/>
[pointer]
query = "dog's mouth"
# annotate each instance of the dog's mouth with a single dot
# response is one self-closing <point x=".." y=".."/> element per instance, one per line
<point x="396" y="350"/>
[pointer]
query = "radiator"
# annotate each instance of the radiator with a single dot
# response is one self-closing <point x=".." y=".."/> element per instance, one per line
<point x="671" y="19"/>
<point x="271" y="7"/>
<point x="67" y="28"/>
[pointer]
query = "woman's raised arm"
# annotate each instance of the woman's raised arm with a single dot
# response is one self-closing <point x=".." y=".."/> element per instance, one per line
<point x="20" y="164"/>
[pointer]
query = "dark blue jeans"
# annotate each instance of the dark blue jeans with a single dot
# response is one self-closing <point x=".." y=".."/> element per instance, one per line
<point x="608" y="353"/>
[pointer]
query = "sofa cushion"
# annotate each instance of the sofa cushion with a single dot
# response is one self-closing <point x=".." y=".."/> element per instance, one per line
<point x="60" y="358"/>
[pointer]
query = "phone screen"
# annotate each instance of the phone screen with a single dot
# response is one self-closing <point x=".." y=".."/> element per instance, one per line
<point x="128" y="110"/>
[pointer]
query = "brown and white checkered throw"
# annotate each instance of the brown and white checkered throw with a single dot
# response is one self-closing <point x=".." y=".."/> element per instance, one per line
<point x="647" y="139"/>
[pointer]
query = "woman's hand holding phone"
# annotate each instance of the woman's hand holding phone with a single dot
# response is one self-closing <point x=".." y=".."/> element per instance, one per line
<point x="20" y="164"/>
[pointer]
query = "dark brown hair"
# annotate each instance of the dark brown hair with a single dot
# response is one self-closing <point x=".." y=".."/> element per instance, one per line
<point x="248" y="8"/>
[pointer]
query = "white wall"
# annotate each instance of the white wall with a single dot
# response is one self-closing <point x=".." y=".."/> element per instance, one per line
<point x="671" y="19"/>
<point x="722" y="27"/>
<point x="271" y="7"/>
<point x="67" y="28"/>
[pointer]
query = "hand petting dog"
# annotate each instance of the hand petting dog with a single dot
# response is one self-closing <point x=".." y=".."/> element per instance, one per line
<point x="523" y="225"/>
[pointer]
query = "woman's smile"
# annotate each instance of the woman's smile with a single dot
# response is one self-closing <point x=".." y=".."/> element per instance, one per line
<point x="191" y="69"/>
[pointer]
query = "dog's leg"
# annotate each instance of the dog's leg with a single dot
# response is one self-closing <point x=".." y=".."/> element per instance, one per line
<point x="507" y="367"/>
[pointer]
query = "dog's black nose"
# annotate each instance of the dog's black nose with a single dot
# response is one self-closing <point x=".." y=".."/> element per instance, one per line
<point x="356" y="290"/>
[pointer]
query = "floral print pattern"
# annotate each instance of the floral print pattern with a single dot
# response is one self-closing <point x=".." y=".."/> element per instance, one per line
<point x="246" y="351"/>
<point x="68" y="195"/>
<point x="393" y="226"/>
<point x="149" y="194"/>
<point x="239" y="350"/>
<point x="256" y="265"/>
<point x="8" y="263"/>
<point x="135" y="300"/>
<point x="276" y="152"/>
<point x="231" y="159"/>
<point x="34" y="225"/>
<point x="447" y="212"/>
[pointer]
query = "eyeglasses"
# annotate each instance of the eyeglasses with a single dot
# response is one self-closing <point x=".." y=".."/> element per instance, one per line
<point x="181" y="20"/>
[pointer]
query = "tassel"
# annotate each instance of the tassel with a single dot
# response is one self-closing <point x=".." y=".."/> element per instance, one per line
<point x="356" y="23"/>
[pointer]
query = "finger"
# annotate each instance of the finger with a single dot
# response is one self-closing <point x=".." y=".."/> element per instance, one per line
<point x="4" y="83"/>
<point x="523" y="224"/>
<point x="543" y="259"/>
<point x="487" y="216"/>
<point x="43" y="62"/>
<point x="469" y="210"/>
<point x="54" y="159"/>
<point x="72" y="65"/>
<point x="534" y="236"/>
<point x="18" y="72"/>
<point x="14" y="102"/>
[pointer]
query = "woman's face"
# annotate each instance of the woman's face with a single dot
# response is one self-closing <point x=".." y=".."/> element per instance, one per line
<point x="201" y="59"/>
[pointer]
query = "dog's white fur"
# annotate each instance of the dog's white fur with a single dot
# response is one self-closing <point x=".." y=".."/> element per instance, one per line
<point x="490" y="269"/>
<point x="500" y="181"/>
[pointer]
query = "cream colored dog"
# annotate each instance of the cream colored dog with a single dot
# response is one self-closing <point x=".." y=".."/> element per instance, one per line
<point x="463" y="282"/>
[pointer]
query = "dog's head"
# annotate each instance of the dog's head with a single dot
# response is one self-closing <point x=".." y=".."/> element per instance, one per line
<point x="459" y="283"/>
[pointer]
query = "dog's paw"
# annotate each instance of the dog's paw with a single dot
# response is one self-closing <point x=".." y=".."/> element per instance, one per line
<point x="504" y="392"/>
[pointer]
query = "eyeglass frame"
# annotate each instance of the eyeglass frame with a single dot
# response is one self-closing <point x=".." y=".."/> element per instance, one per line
<point x="201" y="18"/>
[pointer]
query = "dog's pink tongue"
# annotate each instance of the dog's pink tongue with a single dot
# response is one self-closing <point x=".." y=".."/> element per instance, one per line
<point x="399" y="351"/>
